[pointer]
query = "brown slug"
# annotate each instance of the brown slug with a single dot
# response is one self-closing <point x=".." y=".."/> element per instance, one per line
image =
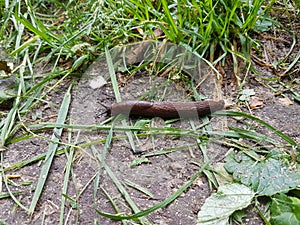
<point x="166" y="110"/>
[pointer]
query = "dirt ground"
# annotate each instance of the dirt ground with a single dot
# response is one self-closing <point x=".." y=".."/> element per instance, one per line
<point x="163" y="175"/>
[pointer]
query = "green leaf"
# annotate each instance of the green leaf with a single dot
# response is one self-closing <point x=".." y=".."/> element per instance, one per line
<point x="139" y="161"/>
<point x="238" y="216"/>
<point x="264" y="24"/>
<point x="246" y="94"/>
<point x="78" y="62"/>
<point x="285" y="210"/>
<point x="219" y="206"/>
<point x="266" y="175"/>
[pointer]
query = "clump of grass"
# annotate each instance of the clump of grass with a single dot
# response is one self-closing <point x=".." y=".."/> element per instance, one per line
<point x="29" y="29"/>
<point x="212" y="28"/>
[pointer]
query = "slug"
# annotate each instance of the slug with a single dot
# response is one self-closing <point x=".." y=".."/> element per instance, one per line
<point x="166" y="110"/>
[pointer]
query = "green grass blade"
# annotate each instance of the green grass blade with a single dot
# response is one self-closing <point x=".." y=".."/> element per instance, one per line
<point x="5" y="180"/>
<point x="295" y="61"/>
<point x="35" y="30"/>
<point x="113" y="203"/>
<point x="11" y="117"/>
<point x="26" y="44"/>
<point x="170" y="21"/>
<point x="117" y="94"/>
<point x="254" y="118"/>
<point x="7" y="195"/>
<point x="252" y="135"/>
<point x="68" y="169"/>
<point x="161" y="204"/>
<point x="112" y="74"/>
<point x="139" y="188"/>
<point x="102" y="158"/>
<point x="62" y="115"/>
<point x="124" y="193"/>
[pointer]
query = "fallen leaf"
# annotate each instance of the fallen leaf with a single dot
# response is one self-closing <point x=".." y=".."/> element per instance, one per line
<point x="97" y="82"/>
<point x="256" y="102"/>
<point x="285" y="101"/>
<point x="137" y="52"/>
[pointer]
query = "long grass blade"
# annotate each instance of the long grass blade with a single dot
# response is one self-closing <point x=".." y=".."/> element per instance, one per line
<point x="101" y="158"/>
<point x="262" y="122"/>
<point x="117" y="94"/>
<point x="124" y="193"/>
<point x="170" y="20"/>
<point x="62" y="115"/>
<point x="161" y="204"/>
<point x="67" y="176"/>
<point x="11" y="117"/>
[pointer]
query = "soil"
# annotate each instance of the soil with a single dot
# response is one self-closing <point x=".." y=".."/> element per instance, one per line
<point x="165" y="173"/>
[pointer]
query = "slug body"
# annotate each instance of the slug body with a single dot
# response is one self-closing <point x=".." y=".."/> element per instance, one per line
<point x="166" y="110"/>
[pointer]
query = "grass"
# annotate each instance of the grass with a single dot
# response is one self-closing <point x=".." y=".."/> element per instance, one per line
<point x="52" y="50"/>
<point x="57" y="132"/>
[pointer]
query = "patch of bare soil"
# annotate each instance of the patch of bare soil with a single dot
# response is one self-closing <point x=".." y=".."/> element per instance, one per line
<point x="163" y="175"/>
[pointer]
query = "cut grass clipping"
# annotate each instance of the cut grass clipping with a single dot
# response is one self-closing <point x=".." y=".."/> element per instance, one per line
<point x="62" y="115"/>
